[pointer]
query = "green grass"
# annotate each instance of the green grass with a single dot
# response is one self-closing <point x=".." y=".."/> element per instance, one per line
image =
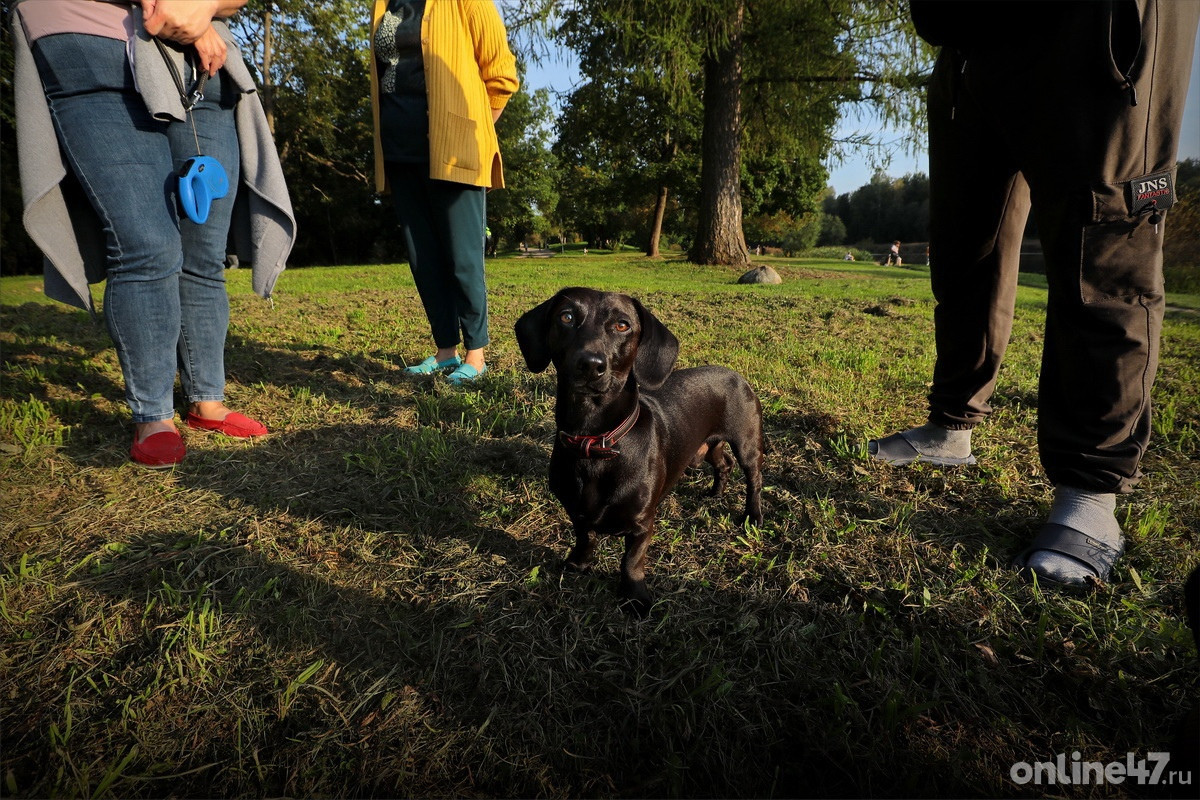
<point x="371" y="602"/>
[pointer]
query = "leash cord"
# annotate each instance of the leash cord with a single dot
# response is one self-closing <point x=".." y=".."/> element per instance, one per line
<point x="188" y="99"/>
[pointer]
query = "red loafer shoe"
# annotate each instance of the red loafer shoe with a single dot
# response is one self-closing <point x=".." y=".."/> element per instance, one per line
<point x="158" y="450"/>
<point x="236" y="425"/>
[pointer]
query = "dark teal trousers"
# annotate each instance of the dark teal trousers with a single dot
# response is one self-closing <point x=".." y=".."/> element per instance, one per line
<point x="443" y="225"/>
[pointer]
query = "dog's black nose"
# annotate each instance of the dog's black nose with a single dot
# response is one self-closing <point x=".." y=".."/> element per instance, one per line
<point x="592" y="365"/>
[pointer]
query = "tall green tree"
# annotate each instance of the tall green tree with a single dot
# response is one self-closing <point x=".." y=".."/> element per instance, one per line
<point x="312" y="61"/>
<point x="719" y="237"/>
<point x="524" y="131"/>
<point x="625" y="148"/>
<point x="771" y="75"/>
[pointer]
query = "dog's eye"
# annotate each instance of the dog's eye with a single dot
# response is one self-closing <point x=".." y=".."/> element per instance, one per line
<point x="621" y="326"/>
<point x="567" y="318"/>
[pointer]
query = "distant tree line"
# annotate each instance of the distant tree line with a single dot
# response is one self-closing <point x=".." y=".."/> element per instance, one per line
<point x="881" y="211"/>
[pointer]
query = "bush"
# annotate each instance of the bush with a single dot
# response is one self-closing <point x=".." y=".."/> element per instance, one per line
<point x="801" y="233"/>
<point x="838" y="253"/>
<point x="833" y="231"/>
<point x="1181" y="248"/>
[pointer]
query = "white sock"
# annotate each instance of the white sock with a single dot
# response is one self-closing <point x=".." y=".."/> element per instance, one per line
<point x="1093" y="513"/>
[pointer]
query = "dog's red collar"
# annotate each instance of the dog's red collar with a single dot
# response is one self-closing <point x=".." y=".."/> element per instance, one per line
<point x="604" y="445"/>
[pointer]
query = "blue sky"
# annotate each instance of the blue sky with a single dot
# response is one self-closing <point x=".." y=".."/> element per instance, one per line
<point x="858" y="168"/>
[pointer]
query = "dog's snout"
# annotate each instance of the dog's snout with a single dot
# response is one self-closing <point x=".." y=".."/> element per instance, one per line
<point x="592" y="365"/>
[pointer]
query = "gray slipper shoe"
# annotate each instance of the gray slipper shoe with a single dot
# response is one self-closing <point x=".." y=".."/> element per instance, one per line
<point x="1076" y="545"/>
<point x="898" y="451"/>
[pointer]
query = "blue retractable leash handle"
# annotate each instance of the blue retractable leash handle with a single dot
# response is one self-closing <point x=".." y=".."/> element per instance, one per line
<point x="202" y="179"/>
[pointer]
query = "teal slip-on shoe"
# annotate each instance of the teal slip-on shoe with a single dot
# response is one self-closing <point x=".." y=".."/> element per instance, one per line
<point x="465" y="373"/>
<point x="431" y="364"/>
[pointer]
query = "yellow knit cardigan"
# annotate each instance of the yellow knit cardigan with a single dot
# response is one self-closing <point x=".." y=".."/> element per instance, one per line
<point x="469" y="72"/>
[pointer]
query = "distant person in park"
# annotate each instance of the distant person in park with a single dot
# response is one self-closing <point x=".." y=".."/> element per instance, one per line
<point x="894" y="254"/>
<point x="442" y="72"/>
<point x="105" y="125"/>
<point x="848" y="257"/>
<point x="1079" y="107"/>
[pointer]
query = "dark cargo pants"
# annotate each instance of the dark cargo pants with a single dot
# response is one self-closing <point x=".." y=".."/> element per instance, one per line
<point x="1044" y="118"/>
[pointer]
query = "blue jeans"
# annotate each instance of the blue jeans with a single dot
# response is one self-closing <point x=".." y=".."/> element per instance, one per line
<point x="165" y="301"/>
<point x="443" y="226"/>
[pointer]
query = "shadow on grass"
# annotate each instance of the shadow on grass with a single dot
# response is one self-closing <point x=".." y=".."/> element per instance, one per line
<point x="68" y="356"/>
<point x="376" y="607"/>
<point x="576" y="699"/>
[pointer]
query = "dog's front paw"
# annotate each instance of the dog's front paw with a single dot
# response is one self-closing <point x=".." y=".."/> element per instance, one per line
<point x="635" y="599"/>
<point x="754" y="513"/>
<point x="578" y="562"/>
<point x="637" y="608"/>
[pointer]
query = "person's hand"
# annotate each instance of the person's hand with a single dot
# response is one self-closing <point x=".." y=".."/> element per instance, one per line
<point x="183" y="21"/>
<point x="211" y="49"/>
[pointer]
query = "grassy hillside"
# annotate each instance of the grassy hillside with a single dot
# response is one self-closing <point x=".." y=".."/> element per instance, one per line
<point x="371" y="602"/>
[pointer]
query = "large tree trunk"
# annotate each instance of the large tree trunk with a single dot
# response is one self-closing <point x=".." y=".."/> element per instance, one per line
<point x="719" y="239"/>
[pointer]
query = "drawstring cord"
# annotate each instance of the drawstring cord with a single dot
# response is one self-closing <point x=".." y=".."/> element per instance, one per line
<point x="1129" y="87"/>
<point x="957" y="79"/>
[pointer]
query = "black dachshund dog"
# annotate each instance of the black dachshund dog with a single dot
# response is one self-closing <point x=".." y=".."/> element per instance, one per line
<point x="628" y="426"/>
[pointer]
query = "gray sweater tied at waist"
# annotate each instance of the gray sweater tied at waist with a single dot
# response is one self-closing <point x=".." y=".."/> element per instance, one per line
<point x="61" y="221"/>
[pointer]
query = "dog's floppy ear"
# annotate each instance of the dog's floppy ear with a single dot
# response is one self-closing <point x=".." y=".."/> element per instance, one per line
<point x="657" y="350"/>
<point x="533" y="332"/>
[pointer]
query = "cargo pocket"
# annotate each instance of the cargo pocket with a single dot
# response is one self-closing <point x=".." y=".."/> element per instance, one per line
<point x="1121" y="251"/>
<point x="462" y="142"/>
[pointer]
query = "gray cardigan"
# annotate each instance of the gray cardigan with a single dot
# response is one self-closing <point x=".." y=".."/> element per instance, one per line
<point x="61" y="221"/>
